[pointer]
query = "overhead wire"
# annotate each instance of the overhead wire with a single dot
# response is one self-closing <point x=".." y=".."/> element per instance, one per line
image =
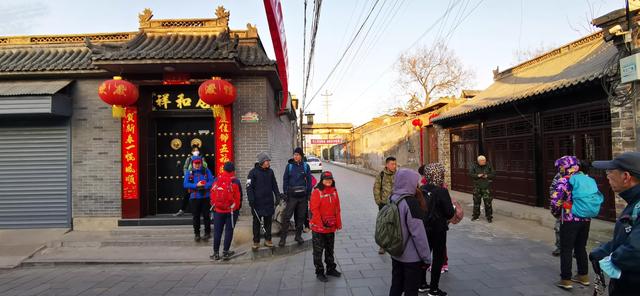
<point x="314" y="33"/>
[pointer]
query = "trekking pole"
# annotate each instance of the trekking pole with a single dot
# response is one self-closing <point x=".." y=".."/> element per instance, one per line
<point x="232" y="226"/>
<point x="261" y="220"/>
<point x="599" y="283"/>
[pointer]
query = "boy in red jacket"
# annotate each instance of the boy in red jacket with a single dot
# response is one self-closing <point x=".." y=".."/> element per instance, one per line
<point x="325" y="220"/>
<point x="225" y="199"/>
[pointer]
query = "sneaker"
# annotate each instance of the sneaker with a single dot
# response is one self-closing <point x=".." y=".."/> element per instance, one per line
<point x="334" y="273"/>
<point x="381" y="251"/>
<point x="445" y="268"/>
<point x="226" y="255"/>
<point x="282" y="242"/>
<point x="437" y="292"/>
<point x="474" y="219"/>
<point x="255" y="246"/>
<point x="581" y="279"/>
<point x="323" y="278"/>
<point x="268" y="244"/>
<point x="556" y="253"/>
<point x="179" y="213"/>
<point x="565" y="284"/>
<point x="215" y="257"/>
<point x="299" y="240"/>
<point x="197" y="238"/>
<point x="490" y="220"/>
<point x="423" y="288"/>
<point x="206" y="236"/>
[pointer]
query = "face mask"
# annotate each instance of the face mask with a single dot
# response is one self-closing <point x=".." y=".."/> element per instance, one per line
<point x="609" y="269"/>
<point x="195" y="153"/>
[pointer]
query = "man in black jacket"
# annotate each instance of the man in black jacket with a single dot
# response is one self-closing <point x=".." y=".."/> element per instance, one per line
<point x="623" y="173"/>
<point x="297" y="186"/>
<point x="262" y="187"/>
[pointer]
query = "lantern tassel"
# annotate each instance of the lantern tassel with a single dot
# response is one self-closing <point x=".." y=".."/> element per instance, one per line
<point x="117" y="111"/>
<point x="218" y="112"/>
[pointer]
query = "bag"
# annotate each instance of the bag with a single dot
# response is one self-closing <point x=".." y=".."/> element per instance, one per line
<point x="314" y="181"/>
<point x="457" y="217"/>
<point x="389" y="230"/>
<point x="586" y="196"/>
<point x="299" y="191"/>
<point x="222" y="194"/>
<point x="432" y="214"/>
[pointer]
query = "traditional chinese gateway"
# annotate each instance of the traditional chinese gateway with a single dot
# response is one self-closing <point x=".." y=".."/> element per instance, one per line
<point x="64" y="160"/>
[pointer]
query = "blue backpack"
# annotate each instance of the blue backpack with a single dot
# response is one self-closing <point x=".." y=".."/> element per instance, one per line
<point x="586" y="196"/>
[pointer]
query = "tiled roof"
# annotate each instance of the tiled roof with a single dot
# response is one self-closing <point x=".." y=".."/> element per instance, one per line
<point x="44" y="59"/>
<point x="26" y="88"/>
<point x="579" y="62"/>
<point x="149" y="46"/>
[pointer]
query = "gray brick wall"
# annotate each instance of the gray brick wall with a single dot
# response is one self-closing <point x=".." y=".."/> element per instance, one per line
<point x="95" y="154"/>
<point x="444" y="151"/>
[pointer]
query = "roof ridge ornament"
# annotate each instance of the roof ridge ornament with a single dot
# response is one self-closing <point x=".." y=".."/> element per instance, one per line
<point x="145" y="16"/>
<point x="222" y="13"/>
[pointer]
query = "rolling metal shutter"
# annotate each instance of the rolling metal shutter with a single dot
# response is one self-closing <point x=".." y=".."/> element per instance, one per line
<point x="35" y="176"/>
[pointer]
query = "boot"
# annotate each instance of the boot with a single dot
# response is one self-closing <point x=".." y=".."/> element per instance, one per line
<point x="298" y="237"/>
<point x="206" y="236"/>
<point x="215" y="256"/>
<point x="334" y="273"/>
<point x="197" y="237"/>
<point x="226" y="255"/>
<point x="255" y="246"/>
<point x="268" y="244"/>
<point x="321" y="277"/>
<point x="565" y="284"/>
<point x="283" y="241"/>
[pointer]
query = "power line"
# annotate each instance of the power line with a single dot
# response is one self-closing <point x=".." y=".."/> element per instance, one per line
<point x="304" y="46"/>
<point x="314" y="32"/>
<point x="343" y="54"/>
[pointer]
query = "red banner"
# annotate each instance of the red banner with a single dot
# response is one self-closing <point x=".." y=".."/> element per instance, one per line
<point x="224" y="139"/>
<point x="130" y="184"/>
<point x="279" y="40"/>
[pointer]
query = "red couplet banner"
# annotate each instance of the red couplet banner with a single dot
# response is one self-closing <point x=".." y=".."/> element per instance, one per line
<point x="130" y="184"/>
<point x="224" y="139"/>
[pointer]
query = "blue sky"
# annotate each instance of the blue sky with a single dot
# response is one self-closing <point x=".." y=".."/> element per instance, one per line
<point x="362" y="87"/>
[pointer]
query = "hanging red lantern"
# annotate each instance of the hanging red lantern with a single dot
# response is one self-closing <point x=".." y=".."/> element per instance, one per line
<point x="217" y="93"/>
<point x="417" y="123"/>
<point x="118" y="93"/>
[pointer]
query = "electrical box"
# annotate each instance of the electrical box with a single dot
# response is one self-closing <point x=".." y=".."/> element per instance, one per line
<point x="629" y="70"/>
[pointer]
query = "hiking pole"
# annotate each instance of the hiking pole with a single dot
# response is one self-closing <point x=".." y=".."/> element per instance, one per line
<point x="232" y="226"/>
<point x="261" y="220"/>
<point x="599" y="283"/>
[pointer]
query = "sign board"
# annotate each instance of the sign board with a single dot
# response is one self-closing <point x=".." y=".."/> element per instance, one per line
<point x="326" y="141"/>
<point x="250" y="117"/>
<point x="629" y="68"/>
<point x="177" y="98"/>
<point x="275" y="19"/>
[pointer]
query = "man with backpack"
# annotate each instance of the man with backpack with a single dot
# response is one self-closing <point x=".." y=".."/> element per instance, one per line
<point x="225" y="199"/>
<point x="263" y="193"/>
<point x="297" y="187"/>
<point x="383" y="186"/>
<point x="620" y="257"/>
<point x="198" y="181"/>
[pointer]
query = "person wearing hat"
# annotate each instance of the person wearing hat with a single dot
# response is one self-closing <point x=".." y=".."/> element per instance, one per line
<point x="226" y="197"/>
<point x="198" y="181"/>
<point x="263" y="194"/>
<point x="620" y="257"/>
<point x="325" y="221"/>
<point x="195" y="151"/>
<point x="296" y="185"/>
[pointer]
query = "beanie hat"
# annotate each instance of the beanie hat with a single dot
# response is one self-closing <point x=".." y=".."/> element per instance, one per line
<point x="229" y="167"/>
<point x="299" y="151"/>
<point x="262" y="157"/>
<point x="326" y="175"/>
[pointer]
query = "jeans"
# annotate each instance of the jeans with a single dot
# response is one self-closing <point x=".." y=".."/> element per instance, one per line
<point x="256" y="227"/>
<point x="299" y="206"/>
<point x="323" y="242"/>
<point x="222" y="222"/>
<point x="201" y="208"/>
<point x="438" y="245"/>
<point x="573" y="239"/>
<point x="405" y="277"/>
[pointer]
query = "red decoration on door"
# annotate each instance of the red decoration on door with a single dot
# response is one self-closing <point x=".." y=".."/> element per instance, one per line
<point x="224" y="139"/>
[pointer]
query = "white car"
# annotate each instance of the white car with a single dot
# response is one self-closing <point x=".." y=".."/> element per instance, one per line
<point x="315" y="164"/>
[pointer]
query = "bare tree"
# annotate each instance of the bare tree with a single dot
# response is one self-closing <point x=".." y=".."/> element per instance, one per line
<point x="521" y="55"/>
<point x="584" y="26"/>
<point x="432" y="71"/>
<point x="414" y="103"/>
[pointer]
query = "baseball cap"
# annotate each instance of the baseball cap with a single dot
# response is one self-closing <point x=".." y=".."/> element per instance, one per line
<point x="326" y="175"/>
<point x="628" y="161"/>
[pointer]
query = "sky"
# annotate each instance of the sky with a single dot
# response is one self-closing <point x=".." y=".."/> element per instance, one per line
<point x="484" y="34"/>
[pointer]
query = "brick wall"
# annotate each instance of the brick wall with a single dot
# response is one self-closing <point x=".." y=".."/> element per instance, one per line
<point x="444" y="151"/>
<point x="623" y="138"/>
<point x="95" y="154"/>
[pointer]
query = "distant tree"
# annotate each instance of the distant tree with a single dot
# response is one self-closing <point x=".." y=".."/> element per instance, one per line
<point x="414" y="103"/>
<point x="432" y="71"/>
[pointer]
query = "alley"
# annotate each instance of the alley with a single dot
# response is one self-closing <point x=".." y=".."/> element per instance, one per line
<point x="482" y="262"/>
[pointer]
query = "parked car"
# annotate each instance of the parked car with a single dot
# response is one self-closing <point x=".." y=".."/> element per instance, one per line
<point x="315" y="164"/>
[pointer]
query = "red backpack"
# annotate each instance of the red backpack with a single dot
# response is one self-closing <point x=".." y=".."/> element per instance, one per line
<point x="222" y="194"/>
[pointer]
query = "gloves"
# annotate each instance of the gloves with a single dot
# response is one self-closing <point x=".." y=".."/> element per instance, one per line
<point x="596" y="265"/>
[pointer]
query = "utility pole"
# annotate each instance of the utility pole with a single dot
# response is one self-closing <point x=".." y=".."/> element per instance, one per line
<point x="326" y="96"/>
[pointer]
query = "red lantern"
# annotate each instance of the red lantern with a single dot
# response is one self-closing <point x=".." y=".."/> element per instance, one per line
<point x="417" y="122"/>
<point x="118" y="93"/>
<point x="217" y="93"/>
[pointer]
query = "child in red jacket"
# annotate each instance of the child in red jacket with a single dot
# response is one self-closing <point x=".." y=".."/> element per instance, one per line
<point x="325" y="221"/>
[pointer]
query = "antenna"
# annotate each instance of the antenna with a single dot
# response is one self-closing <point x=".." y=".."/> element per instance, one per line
<point x="326" y="96"/>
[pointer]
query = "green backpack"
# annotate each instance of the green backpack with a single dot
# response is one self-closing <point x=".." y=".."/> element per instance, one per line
<point x="389" y="230"/>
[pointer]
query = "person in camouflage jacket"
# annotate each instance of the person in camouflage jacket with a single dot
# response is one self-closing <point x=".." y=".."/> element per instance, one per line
<point x="383" y="186"/>
<point x="482" y="175"/>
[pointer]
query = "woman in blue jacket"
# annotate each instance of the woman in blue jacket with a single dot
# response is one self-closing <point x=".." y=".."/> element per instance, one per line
<point x="198" y="181"/>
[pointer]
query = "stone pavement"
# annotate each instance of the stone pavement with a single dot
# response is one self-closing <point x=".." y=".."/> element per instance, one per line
<point x="484" y="260"/>
<point x="17" y="245"/>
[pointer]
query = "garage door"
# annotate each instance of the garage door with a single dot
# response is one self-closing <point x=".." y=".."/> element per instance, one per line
<point x="34" y="176"/>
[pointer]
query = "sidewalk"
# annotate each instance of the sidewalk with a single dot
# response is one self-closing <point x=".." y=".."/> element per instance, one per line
<point x="601" y="231"/>
<point x="17" y="245"/>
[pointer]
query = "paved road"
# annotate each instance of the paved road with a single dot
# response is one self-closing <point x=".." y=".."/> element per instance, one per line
<point x="483" y="261"/>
